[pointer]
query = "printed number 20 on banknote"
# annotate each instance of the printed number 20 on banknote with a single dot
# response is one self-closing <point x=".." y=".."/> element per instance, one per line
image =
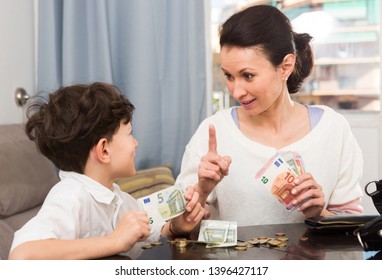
<point x="278" y="177"/>
<point x="165" y="204"/>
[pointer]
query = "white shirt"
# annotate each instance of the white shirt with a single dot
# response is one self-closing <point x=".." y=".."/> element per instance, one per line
<point x="329" y="151"/>
<point x="79" y="207"/>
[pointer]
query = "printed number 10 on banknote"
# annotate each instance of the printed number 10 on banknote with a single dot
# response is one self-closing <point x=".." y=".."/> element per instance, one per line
<point x="278" y="176"/>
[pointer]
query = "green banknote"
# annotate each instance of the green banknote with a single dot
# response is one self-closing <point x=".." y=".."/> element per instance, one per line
<point x="165" y="204"/>
<point x="216" y="233"/>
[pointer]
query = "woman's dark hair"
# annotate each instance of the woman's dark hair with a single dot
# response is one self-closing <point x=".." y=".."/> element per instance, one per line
<point x="74" y="119"/>
<point x="270" y="30"/>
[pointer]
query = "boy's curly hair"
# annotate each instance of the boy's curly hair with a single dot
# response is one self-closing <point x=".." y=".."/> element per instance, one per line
<point x="74" y="119"/>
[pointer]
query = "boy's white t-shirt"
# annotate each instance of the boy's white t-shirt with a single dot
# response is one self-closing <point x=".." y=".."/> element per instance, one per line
<point x="79" y="207"/>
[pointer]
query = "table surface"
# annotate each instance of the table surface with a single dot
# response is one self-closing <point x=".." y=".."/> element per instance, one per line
<point x="326" y="246"/>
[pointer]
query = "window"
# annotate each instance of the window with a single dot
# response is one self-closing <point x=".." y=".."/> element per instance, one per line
<point x="346" y="74"/>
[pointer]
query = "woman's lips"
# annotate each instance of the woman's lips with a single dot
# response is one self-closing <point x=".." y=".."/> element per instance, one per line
<point x="247" y="104"/>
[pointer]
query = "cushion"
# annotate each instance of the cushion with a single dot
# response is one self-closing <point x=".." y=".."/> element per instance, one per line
<point x="6" y="234"/>
<point x="147" y="181"/>
<point x="26" y="176"/>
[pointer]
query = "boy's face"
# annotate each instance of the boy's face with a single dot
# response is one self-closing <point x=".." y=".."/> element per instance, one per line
<point x="122" y="148"/>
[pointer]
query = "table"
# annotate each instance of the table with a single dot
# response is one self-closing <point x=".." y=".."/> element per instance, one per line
<point x="318" y="246"/>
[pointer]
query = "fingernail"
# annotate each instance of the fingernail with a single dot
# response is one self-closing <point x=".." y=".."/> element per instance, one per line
<point x="189" y="209"/>
<point x="294" y="202"/>
<point x="294" y="191"/>
<point x="297" y="181"/>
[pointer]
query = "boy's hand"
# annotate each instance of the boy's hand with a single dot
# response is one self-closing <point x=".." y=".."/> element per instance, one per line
<point x="133" y="227"/>
<point x="190" y="219"/>
<point x="213" y="167"/>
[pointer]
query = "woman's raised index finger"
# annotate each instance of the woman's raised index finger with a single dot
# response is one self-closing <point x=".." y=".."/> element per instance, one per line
<point x="212" y="143"/>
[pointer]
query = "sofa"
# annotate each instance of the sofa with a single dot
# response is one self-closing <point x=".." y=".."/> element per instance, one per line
<point x="26" y="178"/>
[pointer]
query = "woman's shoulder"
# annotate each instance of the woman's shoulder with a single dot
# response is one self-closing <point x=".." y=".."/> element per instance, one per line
<point x="331" y="118"/>
<point x="328" y="111"/>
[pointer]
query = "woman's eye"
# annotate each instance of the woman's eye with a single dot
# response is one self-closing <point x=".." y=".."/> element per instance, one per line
<point x="228" y="76"/>
<point x="248" y="76"/>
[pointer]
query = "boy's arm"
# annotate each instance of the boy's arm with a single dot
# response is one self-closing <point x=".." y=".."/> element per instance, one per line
<point x="56" y="249"/>
<point x="133" y="227"/>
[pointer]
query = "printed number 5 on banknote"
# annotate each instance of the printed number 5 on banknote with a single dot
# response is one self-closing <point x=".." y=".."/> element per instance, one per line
<point x="165" y="204"/>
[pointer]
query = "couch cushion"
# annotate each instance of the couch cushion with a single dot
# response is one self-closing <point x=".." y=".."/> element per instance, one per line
<point x="26" y="176"/>
<point x="6" y="234"/>
<point x="147" y="181"/>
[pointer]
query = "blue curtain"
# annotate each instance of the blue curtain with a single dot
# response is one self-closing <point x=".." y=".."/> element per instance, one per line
<point x="153" y="50"/>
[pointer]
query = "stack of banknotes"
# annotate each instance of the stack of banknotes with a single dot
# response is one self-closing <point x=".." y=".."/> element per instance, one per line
<point x="217" y="233"/>
<point x="165" y="204"/>
<point x="169" y="203"/>
<point x="278" y="175"/>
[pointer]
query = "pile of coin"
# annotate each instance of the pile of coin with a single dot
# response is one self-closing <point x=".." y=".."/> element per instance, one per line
<point x="280" y="241"/>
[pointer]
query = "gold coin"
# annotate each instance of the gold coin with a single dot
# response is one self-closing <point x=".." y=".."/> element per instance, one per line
<point x="263" y="241"/>
<point x="263" y="237"/>
<point x="147" y="247"/>
<point x="240" y="248"/>
<point x="280" y="234"/>
<point x="242" y="244"/>
<point x="181" y="243"/>
<point x="158" y="243"/>
<point x="282" y="239"/>
<point x="254" y="242"/>
<point x="274" y="242"/>
<point x="254" y="239"/>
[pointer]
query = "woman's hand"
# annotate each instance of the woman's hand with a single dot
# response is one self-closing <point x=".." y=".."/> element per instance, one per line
<point x="308" y="192"/>
<point x="213" y="167"/>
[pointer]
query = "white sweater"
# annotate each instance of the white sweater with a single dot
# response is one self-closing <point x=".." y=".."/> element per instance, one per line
<point x="329" y="151"/>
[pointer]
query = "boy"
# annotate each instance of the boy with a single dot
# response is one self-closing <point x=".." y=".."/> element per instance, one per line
<point x="85" y="130"/>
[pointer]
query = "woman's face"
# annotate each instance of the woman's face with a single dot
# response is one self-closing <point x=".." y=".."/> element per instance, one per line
<point x="251" y="79"/>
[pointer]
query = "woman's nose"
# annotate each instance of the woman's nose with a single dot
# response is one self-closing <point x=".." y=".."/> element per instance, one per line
<point x="238" y="90"/>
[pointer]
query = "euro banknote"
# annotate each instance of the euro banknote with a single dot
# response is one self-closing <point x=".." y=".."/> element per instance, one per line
<point x="165" y="204"/>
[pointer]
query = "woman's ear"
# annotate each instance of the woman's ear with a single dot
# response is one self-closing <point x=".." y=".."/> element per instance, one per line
<point x="287" y="65"/>
<point x="101" y="151"/>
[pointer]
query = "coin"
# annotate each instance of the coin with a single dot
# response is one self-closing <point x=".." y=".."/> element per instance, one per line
<point x="282" y="239"/>
<point x="280" y="234"/>
<point x="263" y="241"/>
<point x="274" y="242"/>
<point x="254" y="242"/>
<point x="181" y="243"/>
<point x="240" y="248"/>
<point x="147" y="247"/>
<point x="158" y="243"/>
<point x="242" y="244"/>
<point x="180" y="238"/>
<point x="304" y="238"/>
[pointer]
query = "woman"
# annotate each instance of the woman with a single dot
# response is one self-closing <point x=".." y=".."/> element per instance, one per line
<point x="264" y="62"/>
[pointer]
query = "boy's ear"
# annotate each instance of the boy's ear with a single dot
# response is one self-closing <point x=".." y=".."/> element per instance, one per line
<point x="287" y="65"/>
<point x="101" y="150"/>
